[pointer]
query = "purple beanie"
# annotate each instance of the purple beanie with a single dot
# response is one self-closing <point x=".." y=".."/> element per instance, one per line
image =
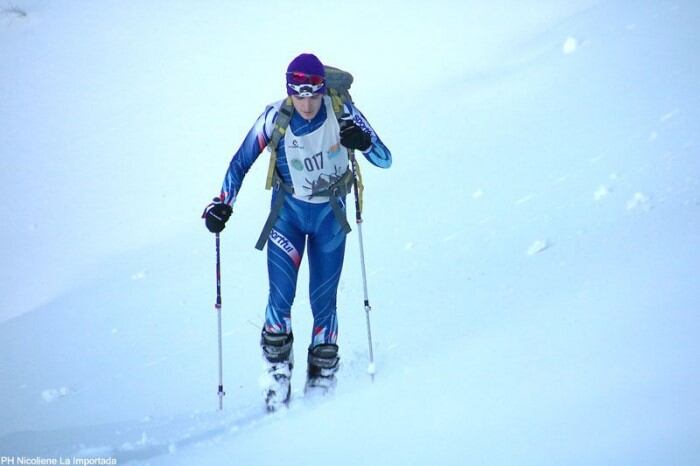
<point x="306" y="63"/>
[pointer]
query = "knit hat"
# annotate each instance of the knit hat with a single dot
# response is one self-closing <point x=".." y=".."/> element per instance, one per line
<point x="308" y="64"/>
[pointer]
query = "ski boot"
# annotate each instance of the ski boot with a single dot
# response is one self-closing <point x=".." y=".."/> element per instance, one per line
<point x="279" y="362"/>
<point x="323" y="363"/>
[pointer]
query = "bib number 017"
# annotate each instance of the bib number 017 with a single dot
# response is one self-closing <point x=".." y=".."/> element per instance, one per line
<point x="314" y="163"/>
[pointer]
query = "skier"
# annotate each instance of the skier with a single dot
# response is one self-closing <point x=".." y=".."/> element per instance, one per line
<point x="312" y="176"/>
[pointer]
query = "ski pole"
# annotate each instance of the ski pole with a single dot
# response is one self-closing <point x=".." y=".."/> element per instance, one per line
<point x="221" y="392"/>
<point x="371" y="369"/>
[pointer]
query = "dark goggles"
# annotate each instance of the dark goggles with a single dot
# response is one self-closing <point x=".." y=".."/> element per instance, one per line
<point x="296" y="77"/>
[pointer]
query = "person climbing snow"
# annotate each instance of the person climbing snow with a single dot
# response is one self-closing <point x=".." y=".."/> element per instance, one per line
<point x="310" y="177"/>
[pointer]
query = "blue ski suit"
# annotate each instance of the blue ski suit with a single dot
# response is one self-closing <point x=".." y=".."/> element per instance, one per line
<point x="303" y="221"/>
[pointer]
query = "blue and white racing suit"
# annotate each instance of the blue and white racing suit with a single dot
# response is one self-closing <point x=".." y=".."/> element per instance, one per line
<point x="308" y="155"/>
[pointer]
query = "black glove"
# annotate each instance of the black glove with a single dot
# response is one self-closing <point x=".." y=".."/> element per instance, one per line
<point x="216" y="215"/>
<point x="352" y="136"/>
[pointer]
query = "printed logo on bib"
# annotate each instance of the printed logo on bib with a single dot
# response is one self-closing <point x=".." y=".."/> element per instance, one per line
<point x="334" y="151"/>
<point x="295" y="145"/>
<point x="297" y="164"/>
<point x="324" y="181"/>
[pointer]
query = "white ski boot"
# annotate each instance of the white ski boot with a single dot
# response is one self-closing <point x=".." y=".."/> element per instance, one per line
<point x="323" y="363"/>
<point x="278" y="364"/>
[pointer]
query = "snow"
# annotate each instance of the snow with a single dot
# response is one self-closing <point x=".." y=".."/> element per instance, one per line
<point x="601" y="193"/>
<point x="371" y="368"/>
<point x="531" y="255"/>
<point x="51" y="394"/>
<point x="537" y="246"/>
<point x="639" y="201"/>
<point x="570" y="45"/>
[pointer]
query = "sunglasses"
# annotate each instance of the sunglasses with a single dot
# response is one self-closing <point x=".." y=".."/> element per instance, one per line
<point x="296" y="77"/>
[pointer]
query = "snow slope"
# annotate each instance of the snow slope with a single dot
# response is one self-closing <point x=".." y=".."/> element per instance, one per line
<point x="532" y="254"/>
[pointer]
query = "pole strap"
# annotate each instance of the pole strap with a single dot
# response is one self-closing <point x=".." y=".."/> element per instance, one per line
<point x="359" y="187"/>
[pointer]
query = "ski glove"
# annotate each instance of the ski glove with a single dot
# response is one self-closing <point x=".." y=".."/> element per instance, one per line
<point x="353" y="137"/>
<point x="216" y="215"/>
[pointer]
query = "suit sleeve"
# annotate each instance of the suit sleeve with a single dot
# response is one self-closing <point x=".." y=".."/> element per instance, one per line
<point x="377" y="154"/>
<point x="255" y="141"/>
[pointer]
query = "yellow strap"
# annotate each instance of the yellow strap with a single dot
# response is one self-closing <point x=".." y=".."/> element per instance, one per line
<point x="271" y="169"/>
<point x="337" y="102"/>
<point x="277" y="135"/>
<point x="273" y="160"/>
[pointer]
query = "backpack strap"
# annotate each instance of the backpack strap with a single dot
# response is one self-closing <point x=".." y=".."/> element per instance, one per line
<point x="284" y="116"/>
<point x="340" y="188"/>
<point x="337" y="101"/>
<point x="274" y="210"/>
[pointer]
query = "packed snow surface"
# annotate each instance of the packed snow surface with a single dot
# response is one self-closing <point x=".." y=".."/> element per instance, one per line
<point x="532" y="254"/>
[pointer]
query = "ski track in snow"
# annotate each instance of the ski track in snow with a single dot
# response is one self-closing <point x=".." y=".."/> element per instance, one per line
<point x="135" y="442"/>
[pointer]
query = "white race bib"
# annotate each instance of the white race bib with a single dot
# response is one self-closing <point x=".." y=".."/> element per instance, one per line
<point x="316" y="160"/>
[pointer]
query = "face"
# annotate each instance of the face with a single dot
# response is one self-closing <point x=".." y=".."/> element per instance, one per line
<point x="307" y="107"/>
